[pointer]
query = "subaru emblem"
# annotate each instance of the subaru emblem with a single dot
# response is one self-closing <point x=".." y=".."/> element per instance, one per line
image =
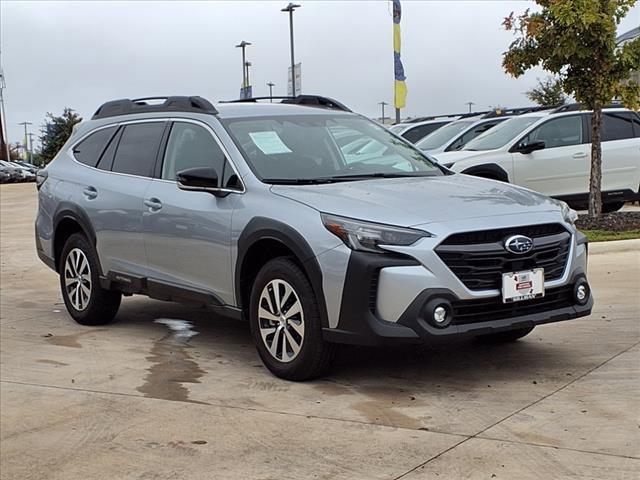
<point x="518" y="244"/>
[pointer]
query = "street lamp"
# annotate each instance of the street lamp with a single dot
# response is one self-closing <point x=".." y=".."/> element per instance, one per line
<point x="470" y="104"/>
<point x="290" y="8"/>
<point x="27" y="154"/>
<point x="244" y="45"/>
<point x="247" y="65"/>
<point x="383" y="105"/>
<point x="271" y="85"/>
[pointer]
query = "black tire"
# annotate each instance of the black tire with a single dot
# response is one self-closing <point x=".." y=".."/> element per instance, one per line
<point x="102" y="305"/>
<point x="505" y="337"/>
<point x="612" y="207"/>
<point x="315" y="355"/>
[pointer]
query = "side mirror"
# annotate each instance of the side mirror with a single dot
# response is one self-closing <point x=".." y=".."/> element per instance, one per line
<point x="201" y="179"/>
<point x="531" y="147"/>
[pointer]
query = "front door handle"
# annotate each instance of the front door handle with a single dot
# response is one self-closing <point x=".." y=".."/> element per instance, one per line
<point x="90" y="192"/>
<point x="579" y="155"/>
<point x="153" y="203"/>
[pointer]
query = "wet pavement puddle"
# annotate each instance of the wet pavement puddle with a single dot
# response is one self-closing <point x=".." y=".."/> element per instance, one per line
<point x="172" y="366"/>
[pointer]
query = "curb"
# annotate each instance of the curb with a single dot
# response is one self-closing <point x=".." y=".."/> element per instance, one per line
<point x="614" y="246"/>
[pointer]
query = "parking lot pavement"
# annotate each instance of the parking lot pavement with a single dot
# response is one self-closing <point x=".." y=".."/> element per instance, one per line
<point x="130" y="400"/>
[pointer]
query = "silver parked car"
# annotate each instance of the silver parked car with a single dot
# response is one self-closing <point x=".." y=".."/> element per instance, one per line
<point x="257" y="211"/>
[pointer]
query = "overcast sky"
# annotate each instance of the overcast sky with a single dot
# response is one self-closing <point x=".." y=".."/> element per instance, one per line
<point x="80" y="54"/>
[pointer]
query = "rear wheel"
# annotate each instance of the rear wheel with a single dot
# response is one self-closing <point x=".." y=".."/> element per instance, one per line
<point x="612" y="207"/>
<point x="285" y="322"/>
<point x="505" y="337"/>
<point x="86" y="301"/>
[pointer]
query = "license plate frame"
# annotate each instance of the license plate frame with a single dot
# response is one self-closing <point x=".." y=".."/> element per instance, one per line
<point x="522" y="285"/>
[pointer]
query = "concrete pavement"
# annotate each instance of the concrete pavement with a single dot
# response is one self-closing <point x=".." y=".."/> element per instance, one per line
<point x="132" y="401"/>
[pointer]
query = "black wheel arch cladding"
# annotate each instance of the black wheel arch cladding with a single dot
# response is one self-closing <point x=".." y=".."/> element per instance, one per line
<point x="491" y="170"/>
<point x="262" y="228"/>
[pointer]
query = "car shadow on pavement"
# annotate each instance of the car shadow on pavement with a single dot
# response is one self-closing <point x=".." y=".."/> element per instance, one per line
<point x="467" y="361"/>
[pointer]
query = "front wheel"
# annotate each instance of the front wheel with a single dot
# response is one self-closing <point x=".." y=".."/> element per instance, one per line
<point x="505" y="337"/>
<point x="285" y="322"/>
<point x="86" y="301"/>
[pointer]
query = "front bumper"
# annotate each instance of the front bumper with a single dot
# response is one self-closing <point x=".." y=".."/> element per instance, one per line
<point x="384" y="298"/>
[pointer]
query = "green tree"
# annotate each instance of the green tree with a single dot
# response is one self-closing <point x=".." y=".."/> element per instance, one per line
<point x="55" y="132"/>
<point x="547" y="93"/>
<point x="575" y="39"/>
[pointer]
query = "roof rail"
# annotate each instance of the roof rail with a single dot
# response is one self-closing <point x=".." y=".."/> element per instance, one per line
<point x="127" y="106"/>
<point x="573" y="107"/>
<point x="308" y="100"/>
<point x="505" y="112"/>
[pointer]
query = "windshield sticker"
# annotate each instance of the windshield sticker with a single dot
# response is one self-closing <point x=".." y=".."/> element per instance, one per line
<point x="269" y="142"/>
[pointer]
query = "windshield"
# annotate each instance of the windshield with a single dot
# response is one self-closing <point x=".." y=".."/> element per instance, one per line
<point x="324" y="148"/>
<point x="443" y="135"/>
<point x="501" y="134"/>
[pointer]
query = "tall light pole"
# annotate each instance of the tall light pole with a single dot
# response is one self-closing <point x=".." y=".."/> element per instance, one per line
<point x="290" y="8"/>
<point x="4" y="135"/>
<point x="31" y="145"/>
<point x="247" y="65"/>
<point x="469" y="103"/>
<point x="26" y="141"/>
<point x="383" y="105"/>
<point x="243" y="45"/>
<point x="271" y="85"/>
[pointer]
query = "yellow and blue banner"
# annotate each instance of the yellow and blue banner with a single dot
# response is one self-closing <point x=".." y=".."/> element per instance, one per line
<point x="400" y="95"/>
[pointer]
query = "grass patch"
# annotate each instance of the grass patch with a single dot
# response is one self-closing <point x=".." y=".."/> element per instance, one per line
<point x="606" y="235"/>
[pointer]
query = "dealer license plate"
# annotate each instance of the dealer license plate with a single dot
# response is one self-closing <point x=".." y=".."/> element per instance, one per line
<point x="525" y="285"/>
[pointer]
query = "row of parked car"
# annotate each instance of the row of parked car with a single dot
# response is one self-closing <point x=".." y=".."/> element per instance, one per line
<point x="17" y="171"/>
<point x="546" y="150"/>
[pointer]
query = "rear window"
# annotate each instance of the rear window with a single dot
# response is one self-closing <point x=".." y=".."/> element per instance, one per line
<point x="88" y="151"/>
<point x="136" y="154"/>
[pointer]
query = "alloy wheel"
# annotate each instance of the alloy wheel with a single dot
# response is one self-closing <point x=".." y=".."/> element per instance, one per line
<point x="281" y="320"/>
<point x="77" y="279"/>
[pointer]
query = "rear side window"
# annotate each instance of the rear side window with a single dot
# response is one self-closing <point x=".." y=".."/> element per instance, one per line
<point x="635" y="119"/>
<point x="617" y="126"/>
<point x="137" y="149"/>
<point x="88" y="151"/>
<point x="417" y="133"/>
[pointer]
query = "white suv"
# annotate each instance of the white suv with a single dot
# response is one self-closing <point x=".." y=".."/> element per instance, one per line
<point x="550" y="152"/>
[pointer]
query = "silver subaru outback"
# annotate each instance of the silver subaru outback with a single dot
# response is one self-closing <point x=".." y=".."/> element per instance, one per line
<point x="313" y="223"/>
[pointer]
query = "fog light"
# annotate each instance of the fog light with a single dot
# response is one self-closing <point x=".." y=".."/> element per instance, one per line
<point x="582" y="293"/>
<point x="440" y="314"/>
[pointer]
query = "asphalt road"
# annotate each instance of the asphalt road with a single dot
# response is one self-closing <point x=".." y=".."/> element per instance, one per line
<point x="132" y="400"/>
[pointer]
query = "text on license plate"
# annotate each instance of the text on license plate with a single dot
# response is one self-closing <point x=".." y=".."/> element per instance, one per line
<point x="525" y="285"/>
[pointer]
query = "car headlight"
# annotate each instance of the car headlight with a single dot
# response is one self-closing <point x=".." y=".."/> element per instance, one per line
<point x="368" y="236"/>
<point x="569" y="214"/>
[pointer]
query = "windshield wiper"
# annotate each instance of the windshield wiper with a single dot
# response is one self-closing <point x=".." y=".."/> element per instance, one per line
<point x="380" y="175"/>
<point x="298" y="181"/>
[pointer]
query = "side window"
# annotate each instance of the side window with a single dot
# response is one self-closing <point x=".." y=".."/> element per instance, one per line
<point x="417" y="133"/>
<point x="635" y="119"/>
<point x="616" y="126"/>
<point x="137" y="149"/>
<point x="191" y="146"/>
<point x="88" y="151"/>
<point x="559" y="132"/>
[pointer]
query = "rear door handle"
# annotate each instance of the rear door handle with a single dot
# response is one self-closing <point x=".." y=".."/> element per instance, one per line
<point x="153" y="203"/>
<point x="579" y="155"/>
<point x="90" y="192"/>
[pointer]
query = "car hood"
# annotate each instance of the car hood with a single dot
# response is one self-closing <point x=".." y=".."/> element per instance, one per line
<point x="417" y="201"/>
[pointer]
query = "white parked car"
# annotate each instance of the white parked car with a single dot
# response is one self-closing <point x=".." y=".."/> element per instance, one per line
<point x="416" y="131"/>
<point x="455" y="135"/>
<point x="550" y="152"/>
